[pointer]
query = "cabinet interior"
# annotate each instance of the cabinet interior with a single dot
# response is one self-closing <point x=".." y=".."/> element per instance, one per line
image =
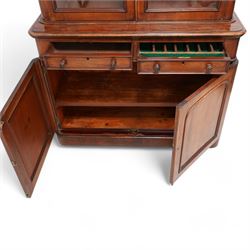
<point x="120" y="101"/>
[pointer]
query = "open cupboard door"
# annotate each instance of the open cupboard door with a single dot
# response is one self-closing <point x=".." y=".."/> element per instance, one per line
<point x="199" y="120"/>
<point x="27" y="126"/>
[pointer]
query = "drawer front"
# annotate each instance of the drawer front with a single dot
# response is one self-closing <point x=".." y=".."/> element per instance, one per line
<point x="184" y="67"/>
<point x="89" y="63"/>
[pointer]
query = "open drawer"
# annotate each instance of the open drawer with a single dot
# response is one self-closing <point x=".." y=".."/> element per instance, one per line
<point x="88" y="56"/>
<point x="186" y="58"/>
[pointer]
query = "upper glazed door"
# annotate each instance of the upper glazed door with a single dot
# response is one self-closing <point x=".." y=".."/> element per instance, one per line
<point x="87" y="10"/>
<point x="185" y="10"/>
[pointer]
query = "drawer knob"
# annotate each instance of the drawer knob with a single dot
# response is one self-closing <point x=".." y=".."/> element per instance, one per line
<point x="113" y="63"/>
<point x="63" y="63"/>
<point x="157" y="68"/>
<point x="209" y="68"/>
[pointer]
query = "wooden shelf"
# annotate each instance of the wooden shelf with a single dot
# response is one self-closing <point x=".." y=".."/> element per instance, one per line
<point x="124" y="89"/>
<point x="158" y="119"/>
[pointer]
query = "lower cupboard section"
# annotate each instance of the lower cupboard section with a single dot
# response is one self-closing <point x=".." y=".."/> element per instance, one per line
<point x="118" y="108"/>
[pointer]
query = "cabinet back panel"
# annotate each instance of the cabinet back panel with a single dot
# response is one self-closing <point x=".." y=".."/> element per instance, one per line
<point x="123" y="89"/>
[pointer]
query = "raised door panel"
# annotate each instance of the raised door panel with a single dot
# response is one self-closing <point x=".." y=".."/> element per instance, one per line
<point x="185" y="10"/>
<point x="199" y="120"/>
<point x="27" y="126"/>
<point x="87" y="10"/>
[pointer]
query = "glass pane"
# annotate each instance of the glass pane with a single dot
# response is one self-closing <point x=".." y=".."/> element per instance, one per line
<point x="193" y="5"/>
<point x="89" y="5"/>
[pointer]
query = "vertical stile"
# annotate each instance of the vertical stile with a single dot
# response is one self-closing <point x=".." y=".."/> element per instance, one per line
<point x="199" y="47"/>
<point x="175" y="48"/>
<point x="153" y="46"/>
<point x="165" y="47"/>
<point x="211" y="47"/>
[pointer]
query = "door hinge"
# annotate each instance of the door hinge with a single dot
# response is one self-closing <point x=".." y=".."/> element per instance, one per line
<point x="58" y="123"/>
<point x="1" y="125"/>
<point x="14" y="164"/>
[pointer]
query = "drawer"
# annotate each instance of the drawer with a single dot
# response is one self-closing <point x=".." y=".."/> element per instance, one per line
<point x="88" y="63"/>
<point x="183" y="67"/>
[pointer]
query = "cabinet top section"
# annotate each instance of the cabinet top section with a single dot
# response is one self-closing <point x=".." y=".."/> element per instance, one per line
<point x="128" y="29"/>
<point x="136" y="10"/>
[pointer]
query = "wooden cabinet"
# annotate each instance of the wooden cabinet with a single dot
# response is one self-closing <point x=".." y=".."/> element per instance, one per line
<point x="105" y="83"/>
<point x="185" y="10"/>
<point x="77" y="10"/>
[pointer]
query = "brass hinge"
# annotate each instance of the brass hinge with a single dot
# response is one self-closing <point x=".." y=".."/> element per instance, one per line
<point x="58" y="123"/>
<point x="1" y="125"/>
<point x="14" y="164"/>
<point x="134" y="131"/>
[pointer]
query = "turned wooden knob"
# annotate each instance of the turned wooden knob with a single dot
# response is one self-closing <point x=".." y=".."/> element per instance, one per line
<point x="113" y="63"/>
<point x="157" y="68"/>
<point x="63" y="63"/>
<point x="209" y="68"/>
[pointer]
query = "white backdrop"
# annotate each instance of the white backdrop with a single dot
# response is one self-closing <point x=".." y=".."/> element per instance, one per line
<point x="116" y="198"/>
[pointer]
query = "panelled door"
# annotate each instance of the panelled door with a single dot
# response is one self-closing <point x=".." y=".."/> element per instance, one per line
<point x="184" y="10"/>
<point x="87" y="10"/>
<point x="199" y="120"/>
<point x="27" y="126"/>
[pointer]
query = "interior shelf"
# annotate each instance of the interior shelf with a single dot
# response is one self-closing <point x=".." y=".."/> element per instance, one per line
<point x="122" y="89"/>
<point x="182" y="50"/>
<point x="132" y="119"/>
